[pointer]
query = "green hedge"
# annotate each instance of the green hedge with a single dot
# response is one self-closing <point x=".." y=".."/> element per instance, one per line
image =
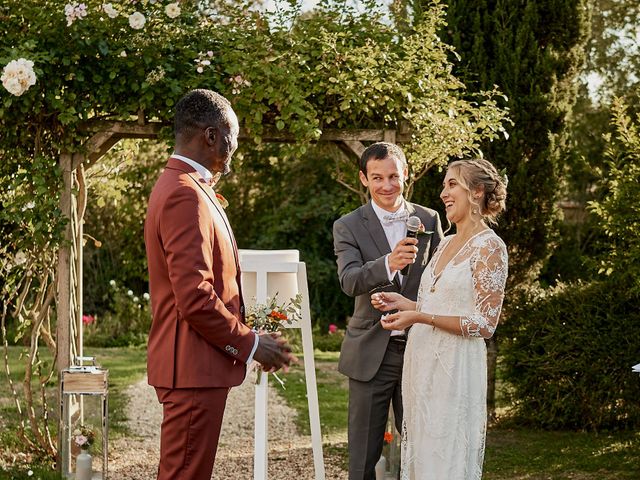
<point x="568" y="354"/>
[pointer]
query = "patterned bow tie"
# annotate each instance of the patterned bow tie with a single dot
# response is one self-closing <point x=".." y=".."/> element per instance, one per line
<point x="400" y="216"/>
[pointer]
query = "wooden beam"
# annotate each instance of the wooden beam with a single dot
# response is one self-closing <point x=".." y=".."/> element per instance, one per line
<point x="99" y="144"/>
<point x="269" y="133"/>
<point x="124" y="129"/>
<point x="352" y="147"/>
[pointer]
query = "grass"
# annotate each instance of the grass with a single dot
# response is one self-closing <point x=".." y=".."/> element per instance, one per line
<point x="125" y="365"/>
<point x="511" y="454"/>
<point x="332" y="394"/>
<point x="541" y="455"/>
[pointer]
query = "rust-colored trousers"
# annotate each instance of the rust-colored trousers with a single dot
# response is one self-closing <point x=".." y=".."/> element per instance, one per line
<point x="190" y="431"/>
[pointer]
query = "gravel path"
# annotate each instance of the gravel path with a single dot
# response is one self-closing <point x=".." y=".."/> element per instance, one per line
<point x="290" y="454"/>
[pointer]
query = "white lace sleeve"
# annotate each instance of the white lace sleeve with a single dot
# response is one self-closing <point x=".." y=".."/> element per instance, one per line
<point x="489" y="270"/>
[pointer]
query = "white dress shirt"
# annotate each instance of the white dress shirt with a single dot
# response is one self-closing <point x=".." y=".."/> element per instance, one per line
<point x="207" y="176"/>
<point x="394" y="232"/>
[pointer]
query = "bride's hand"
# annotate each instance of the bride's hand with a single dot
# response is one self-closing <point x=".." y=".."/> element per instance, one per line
<point x="386" y="301"/>
<point x="398" y="320"/>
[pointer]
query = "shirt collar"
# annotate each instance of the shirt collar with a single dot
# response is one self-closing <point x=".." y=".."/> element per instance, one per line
<point x="203" y="171"/>
<point x="381" y="212"/>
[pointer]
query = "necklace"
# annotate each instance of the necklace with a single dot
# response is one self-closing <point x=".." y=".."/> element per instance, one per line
<point x="435" y="279"/>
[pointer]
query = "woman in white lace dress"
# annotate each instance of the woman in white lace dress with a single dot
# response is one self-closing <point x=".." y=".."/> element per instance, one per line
<point x="444" y="384"/>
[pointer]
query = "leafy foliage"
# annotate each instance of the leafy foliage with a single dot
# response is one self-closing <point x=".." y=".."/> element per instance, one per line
<point x="619" y="210"/>
<point x="613" y="49"/>
<point x="568" y="355"/>
<point x="568" y="352"/>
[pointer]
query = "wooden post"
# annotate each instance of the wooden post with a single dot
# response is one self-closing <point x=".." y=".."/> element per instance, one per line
<point x="63" y="323"/>
<point x="389" y="136"/>
<point x="63" y="326"/>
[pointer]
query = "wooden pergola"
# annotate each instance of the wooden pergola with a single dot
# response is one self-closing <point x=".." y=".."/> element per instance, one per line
<point x="104" y="135"/>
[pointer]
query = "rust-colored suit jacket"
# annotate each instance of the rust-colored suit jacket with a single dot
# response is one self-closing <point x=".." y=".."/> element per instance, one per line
<point x="197" y="336"/>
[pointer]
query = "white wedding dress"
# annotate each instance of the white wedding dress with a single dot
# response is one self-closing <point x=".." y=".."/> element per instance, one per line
<point x="444" y="384"/>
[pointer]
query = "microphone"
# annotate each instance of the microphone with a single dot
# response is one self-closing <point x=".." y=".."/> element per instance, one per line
<point x="413" y="225"/>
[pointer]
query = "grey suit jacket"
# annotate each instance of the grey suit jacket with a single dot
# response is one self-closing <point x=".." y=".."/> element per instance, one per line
<point x="361" y="245"/>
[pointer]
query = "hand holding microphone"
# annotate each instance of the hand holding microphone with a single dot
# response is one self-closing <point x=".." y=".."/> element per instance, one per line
<point x="413" y="225"/>
<point x="405" y="252"/>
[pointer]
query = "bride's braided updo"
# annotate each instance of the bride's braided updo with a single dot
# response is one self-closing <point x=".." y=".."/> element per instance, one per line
<point x="479" y="174"/>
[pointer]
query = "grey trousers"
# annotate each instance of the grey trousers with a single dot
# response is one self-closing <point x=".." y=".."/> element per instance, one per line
<point x="369" y="411"/>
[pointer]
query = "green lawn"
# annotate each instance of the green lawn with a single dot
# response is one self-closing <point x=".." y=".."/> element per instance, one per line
<point x="512" y="454"/>
<point x="332" y="393"/>
<point x="126" y="366"/>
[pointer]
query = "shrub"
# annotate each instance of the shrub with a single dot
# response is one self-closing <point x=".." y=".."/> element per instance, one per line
<point x="127" y="324"/>
<point x="568" y="354"/>
<point x="328" y="342"/>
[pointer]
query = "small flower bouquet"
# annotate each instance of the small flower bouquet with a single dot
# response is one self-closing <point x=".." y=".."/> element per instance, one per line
<point x="83" y="437"/>
<point x="271" y="317"/>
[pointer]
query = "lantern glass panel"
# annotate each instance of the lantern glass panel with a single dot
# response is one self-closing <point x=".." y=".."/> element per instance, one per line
<point x="84" y="423"/>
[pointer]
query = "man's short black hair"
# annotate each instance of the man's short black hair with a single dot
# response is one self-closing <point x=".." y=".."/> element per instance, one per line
<point x="200" y="109"/>
<point x="380" y="151"/>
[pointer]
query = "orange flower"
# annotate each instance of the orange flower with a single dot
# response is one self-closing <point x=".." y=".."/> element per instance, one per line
<point x="224" y="203"/>
<point x="388" y="437"/>
<point x="278" y="315"/>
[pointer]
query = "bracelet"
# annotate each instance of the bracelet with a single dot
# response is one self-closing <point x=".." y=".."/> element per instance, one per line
<point x="433" y="319"/>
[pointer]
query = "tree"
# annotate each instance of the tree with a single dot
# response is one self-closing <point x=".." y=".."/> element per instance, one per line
<point x="619" y="209"/>
<point x="613" y="50"/>
<point x="613" y="58"/>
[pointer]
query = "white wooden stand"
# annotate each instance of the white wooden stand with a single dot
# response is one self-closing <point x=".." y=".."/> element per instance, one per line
<point x="266" y="273"/>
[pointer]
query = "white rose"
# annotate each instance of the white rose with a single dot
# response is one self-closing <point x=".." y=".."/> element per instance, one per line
<point x="13" y="86"/>
<point x="172" y="10"/>
<point x="123" y="53"/>
<point x="146" y="296"/>
<point x="18" y="76"/>
<point x="137" y="20"/>
<point x="130" y="293"/>
<point x="109" y="10"/>
<point x="20" y="258"/>
<point x="112" y="283"/>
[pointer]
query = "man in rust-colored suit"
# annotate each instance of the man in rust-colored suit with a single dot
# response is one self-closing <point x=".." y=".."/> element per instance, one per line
<point x="198" y="344"/>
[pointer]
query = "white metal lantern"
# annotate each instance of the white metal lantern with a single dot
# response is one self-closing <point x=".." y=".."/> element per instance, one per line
<point x="84" y="422"/>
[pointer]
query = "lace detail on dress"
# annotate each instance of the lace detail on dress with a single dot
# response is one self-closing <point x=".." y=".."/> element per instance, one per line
<point x="489" y="274"/>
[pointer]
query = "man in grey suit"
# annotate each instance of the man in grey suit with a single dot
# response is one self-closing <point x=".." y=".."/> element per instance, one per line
<point x="372" y="249"/>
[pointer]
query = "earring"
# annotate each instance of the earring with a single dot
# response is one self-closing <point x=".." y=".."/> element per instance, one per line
<point x="474" y="211"/>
